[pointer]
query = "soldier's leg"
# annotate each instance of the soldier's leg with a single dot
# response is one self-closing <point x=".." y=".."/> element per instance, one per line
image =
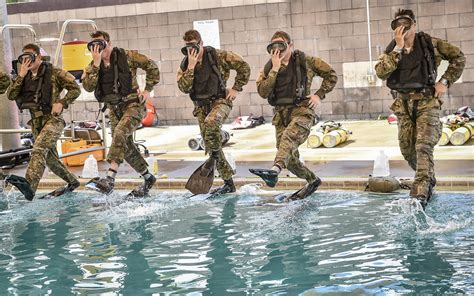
<point x="44" y="141"/>
<point x="58" y="168"/>
<point x="291" y="138"/>
<point x="407" y="139"/>
<point x="213" y="139"/>
<point x="131" y="120"/>
<point x="122" y="129"/>
<point x="428" y="133"/>
<point x="299" y="169"/>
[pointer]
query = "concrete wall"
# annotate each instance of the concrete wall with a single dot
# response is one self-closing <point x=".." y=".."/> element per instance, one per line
<point x="335" y="30"/>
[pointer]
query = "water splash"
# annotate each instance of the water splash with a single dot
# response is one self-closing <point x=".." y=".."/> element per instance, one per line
<point x="438" y="218"/>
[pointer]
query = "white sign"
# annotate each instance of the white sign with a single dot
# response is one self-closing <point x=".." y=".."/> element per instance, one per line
<point x="209" y="31"/>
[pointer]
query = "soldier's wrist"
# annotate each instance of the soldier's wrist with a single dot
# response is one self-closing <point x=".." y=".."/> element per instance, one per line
<point x="320" y="93"/>
<point x="398" y="49"/>
<point x="444" y="82"/>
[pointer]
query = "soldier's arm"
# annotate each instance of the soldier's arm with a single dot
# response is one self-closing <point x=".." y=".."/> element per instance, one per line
<point x="265" y="83"/>
<point x="68" y="82"/>
<point x="14" y="89"/>
<point x="387" y="64"/>
<point x="141" y="61"/>
<point x="185" y="80"/>
<point x="90" y="77"/>
<point x="455" y="57"/>
<point x="324" y="70"/>
<point x="237" y="63"/>
<point x="4" y="82"/>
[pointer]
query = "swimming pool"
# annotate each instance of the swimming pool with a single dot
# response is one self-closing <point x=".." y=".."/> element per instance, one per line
<point x="242" y="244"/>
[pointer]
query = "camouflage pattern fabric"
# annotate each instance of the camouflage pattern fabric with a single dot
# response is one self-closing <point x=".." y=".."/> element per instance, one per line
<point x="315" y="67"/>
<point x="48" y="128"/>
<point x="4" y="82"/>
<point x="226" y="61"/>
<point x="210" y="120"/>
<point x="211" y="117"/>
<point x="293" y="123"/>
<point x="417" y="141"/>
<point x="290" y="136"/>
<point x="61" y="80"/>
<point x="135" y="60"/>
<point x="124" y="122"/>
<point x="125" y="119"/>
<point x="46" y="132"/>
<point x="443" y="51"/>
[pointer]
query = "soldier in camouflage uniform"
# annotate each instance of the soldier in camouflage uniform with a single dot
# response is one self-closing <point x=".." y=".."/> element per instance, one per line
<point x="409" y="65"/>
<point x="112" y="75"/>
<point x="4" y="82"/>
<point x="38" y="88"/>
<point x="203" y="75"/>
<point x="285" y="82"/>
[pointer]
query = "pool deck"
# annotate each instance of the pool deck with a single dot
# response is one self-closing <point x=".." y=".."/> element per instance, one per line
<point x="346" y="166"/>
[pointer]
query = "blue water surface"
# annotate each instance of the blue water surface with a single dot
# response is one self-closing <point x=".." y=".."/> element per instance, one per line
<point x="333" y="243"/>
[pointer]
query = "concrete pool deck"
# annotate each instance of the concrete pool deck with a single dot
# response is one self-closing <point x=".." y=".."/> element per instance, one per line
<point x="346" y="166"/>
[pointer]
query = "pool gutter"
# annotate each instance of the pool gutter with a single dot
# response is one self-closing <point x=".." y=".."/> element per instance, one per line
<point x="443" y="183"/>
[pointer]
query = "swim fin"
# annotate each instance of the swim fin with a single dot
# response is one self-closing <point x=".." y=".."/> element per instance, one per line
<point x="201" y="180"/>
<point x="62" y="190"/>
<point x="304" y="192"/>
<point x="269" y="176"/>
<point x="102" y="185"/>
<point x="21" y="184"/>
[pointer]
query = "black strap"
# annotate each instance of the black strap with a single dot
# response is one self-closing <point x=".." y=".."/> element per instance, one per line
<point x="116" y="73"/>
<point x="299" y="85"/>
<point x="286" y="119"/>
<point x="414" y="113"/>
<point x="429" y="59"/>
<point x="215" y="69"/>
<point x="40" y="85"/>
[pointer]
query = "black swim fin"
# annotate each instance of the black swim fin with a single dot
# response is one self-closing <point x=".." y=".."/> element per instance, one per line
<point x="200" y="182"/>
<point x="62" y="190"/>
<point x="269" y="176"/>
<point x="304" y="192"/>
<point x="20" y="183"/>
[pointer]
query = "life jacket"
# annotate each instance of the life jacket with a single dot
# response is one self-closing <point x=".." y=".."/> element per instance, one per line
<point x="37" y="93"/>
<point x="290" y="85"/>
<point x="115" y="82"/>
<point x="416" y="70"/>
<point x="151" y="117"/>
<point x="208" y="83"/>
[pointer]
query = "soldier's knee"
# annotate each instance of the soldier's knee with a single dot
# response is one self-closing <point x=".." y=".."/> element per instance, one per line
<point x="211" y="123"/>
<point x="425" y="148"/>
<point x="39" y="150"/>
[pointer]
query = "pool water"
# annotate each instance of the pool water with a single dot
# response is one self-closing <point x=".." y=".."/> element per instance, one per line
<point x="244" y="244"/>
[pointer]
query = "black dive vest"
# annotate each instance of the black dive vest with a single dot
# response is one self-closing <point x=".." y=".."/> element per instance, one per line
<point x="208" y="83"/>
<point x="290" y="85"/>
<point x="417" y="70"/>
<point x="115" y="82"/>
<point x="37" y="93"/>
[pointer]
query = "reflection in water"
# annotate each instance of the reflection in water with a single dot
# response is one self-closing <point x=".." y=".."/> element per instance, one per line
<point x="336" y="242"/>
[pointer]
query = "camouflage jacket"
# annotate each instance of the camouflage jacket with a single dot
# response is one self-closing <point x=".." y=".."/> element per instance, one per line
<point x="444" y="50"/>
<point x="61" y="79"/>
<point x="226" y="61"/>
<point x="315" y="66"/>
<point x="135" y="60"/>
<point x="4" y="81"/>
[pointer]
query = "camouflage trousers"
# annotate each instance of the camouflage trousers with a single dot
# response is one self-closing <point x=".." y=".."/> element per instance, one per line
<point x="124" y="122"/>
<point x="46" y="132"/>
<point x="292" y="126"/>
<point x="418" y="139"/>
<point x="210" y="118"/>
